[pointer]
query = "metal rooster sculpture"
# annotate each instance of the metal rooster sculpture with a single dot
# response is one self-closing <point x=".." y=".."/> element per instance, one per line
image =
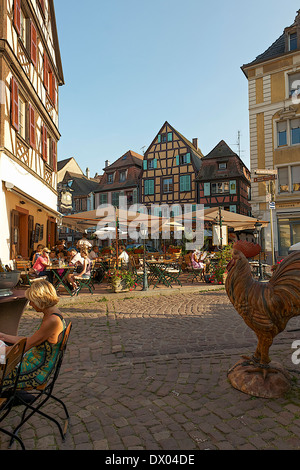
<point x="266" y="307"/>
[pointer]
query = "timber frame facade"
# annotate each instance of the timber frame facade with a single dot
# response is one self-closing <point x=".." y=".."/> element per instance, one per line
<point x="170" y="166"/>
<point x="224" y="181"/>
<point x="30" y="76"/>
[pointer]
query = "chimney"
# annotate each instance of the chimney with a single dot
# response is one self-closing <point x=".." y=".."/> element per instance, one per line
<point x="195" y="143"/>
<point x="87" y="173"/>
<point x="107" y="163"/>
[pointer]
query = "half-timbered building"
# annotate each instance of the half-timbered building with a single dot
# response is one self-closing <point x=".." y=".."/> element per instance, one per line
<point x="30" y="76"/>
<point x="121" y="178"/>
<point x="170" y="166"/>
<point x="224" y="181"/>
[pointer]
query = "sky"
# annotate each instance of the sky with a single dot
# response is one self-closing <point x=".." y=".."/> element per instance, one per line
<point x="131" y="65"/>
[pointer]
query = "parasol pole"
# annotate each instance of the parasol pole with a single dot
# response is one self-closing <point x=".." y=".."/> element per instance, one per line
<point x="117" y="243"/>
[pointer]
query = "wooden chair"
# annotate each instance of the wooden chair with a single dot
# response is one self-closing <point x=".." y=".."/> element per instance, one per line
<point x="42" y="393"/>
<point x="7" y="397"/>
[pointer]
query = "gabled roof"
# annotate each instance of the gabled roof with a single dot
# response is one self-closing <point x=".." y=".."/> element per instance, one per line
<point x="81" y="185"/>
<point x="128" y="159"/>
<point x="196" y="154"/>
<point x="220" y="150"/>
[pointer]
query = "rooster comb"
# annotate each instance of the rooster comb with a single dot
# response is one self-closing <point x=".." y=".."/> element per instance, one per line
<point x="249" y="249"/>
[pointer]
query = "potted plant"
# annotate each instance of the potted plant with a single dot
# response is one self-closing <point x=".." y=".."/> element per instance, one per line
<point x="121" y="280"/>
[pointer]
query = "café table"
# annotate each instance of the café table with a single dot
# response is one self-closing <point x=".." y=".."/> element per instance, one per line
<point x="61" y="277"/>
<point x="11" y="311"/>
<point x="160" y="272"/>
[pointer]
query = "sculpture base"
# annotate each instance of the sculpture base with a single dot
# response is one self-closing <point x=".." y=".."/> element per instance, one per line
<point x="247" y="377"/>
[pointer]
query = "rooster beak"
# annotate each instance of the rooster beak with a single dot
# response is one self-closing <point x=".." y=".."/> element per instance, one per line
<point x="230" y="265"/>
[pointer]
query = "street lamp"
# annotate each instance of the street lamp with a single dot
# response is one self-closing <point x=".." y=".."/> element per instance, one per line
<point x="257" y="234"/>
<point x="144" y="233"/>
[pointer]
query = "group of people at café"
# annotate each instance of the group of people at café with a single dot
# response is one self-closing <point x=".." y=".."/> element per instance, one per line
<point x="81" y="257"/>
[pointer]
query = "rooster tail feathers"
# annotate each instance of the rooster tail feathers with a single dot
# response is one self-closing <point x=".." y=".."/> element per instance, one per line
<point x="286" y="279"/>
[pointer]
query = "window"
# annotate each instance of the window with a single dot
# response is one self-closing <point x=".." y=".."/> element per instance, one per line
<point x="152" y="164"/>
<point x="168" y="185"/>
<point x="110" y="178"/>
<point x="44" y="143"/>
<point x="14" y="104"/>
<point x="149" y="187"/>
<point x="296" y="178"/>
<point x="103" y="198"/>
<point x="289" y="179"/>
<point x="281" y="133"/>
<point x="185" y="183"/>
<point x="294" y="84"/>
<point x="23" y="28"/>
<point x="22" y="117"/>
<point x="220" y="188"/>
<point x="122" y="176"/>
<point x="292" y="41"/>
<point x="295" y="131"/>
<point x="222" y="166"/>
<point x="183" y="159"/>
<point x="49" y="80"/>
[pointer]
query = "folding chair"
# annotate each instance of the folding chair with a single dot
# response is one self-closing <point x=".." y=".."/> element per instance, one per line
<point x="173" y="272"/>
<point x="43" y="393"/>
<point x="7" y="397"/>
<point x="88" y="283"/>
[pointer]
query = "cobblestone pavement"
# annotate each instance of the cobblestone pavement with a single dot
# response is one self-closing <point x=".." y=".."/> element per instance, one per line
<point x="150" y="372"/>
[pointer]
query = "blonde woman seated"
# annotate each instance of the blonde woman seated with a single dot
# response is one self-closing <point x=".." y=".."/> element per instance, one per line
<point x="43" y="346"/>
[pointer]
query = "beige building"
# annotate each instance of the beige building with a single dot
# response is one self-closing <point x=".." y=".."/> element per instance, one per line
<point x="30" y="76"/>
<point x="274" y="112"/>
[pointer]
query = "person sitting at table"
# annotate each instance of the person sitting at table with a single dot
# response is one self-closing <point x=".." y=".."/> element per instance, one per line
<point x="42" y="347"/>
<point x="41" y="265"/>
<point x="84" y="274"/>
<point x="94" y="253"/>
<point x="197" y="259"/>
<point x="53" y="257"/>
<point x="77" y="261"/>
<point x="124" y="257"/>
<point x="36" y="254"/>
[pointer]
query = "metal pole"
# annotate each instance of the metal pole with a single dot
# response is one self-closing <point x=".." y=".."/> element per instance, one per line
<point x="145" y="277"/>
<point x="272" y="237"/>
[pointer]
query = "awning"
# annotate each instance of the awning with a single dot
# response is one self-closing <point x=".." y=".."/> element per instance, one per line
<point x="231" y="219"/>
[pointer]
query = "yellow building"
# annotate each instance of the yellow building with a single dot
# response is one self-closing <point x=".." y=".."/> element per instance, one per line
<point x="30" y="76"/>
<point x="274" y="114"/>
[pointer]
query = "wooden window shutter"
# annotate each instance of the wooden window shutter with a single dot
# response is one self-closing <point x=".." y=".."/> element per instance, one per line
<point x="14" y="104"/>
<point x="206" y="189"/>
<point x="17" y="16"/>
<point x="33" y="44"/>
<point x="232" y="187"/>
<point x="145" y="164"/>
<point x="188" y="158"/>
<point x="46" y="71"/>
<point x="177" y="160"/>
<point x="44" y="143"/>
<point x="32" y="126"/>
<point x="54" y="155"/>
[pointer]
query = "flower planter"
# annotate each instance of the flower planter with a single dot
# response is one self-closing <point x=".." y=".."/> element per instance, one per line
<point x="120" y="286"/>
<point x="138" y="251"/>
<point x="107" y="251"/>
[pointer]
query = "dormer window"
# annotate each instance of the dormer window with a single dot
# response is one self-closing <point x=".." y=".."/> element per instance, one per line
<point x="292" y="41"/>
<point x="122" y="176"/>
<point x="110" y="178"/>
